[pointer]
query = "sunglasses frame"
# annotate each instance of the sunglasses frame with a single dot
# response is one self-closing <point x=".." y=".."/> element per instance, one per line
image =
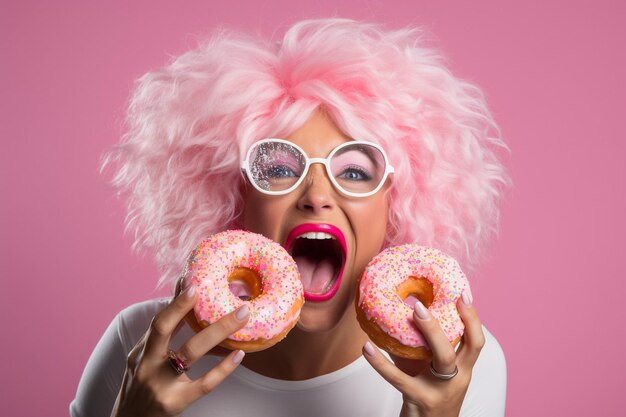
<point x="310" y="161"/>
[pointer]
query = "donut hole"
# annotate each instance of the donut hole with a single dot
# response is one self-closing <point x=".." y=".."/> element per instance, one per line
<point x="244" y="283"/>
<point x="414" y="289"/>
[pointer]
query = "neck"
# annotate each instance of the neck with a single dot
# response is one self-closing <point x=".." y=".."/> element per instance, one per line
<point x="304" y="355"/>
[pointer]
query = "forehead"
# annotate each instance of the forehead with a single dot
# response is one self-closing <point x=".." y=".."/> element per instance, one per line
<point x="318" y="136"/>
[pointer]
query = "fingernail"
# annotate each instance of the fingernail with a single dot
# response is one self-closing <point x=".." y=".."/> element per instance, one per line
<point x="242" y="313"/>
<point x="191" y="291"/>
<point x="420" y="311"/>
<point x="369" y="349"/>
<point x="238" y="357"/>
<point x="465" y="297"/>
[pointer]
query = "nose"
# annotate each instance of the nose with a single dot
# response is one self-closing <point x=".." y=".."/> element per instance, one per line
<point x="317" y="192"/>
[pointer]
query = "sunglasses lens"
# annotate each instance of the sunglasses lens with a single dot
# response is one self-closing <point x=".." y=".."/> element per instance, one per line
<point x="358" y="168"/>
<point x="275" y="166"/>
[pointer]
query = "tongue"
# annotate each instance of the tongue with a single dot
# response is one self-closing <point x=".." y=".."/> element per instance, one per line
<point x="316" y="273"/>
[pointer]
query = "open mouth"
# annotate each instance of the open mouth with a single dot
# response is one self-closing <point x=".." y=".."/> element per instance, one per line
<point x="320" y="253"/>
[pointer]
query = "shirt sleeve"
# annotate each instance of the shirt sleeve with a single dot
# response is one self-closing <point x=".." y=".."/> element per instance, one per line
<point x="486" y="395"/>
<point x="102" y="376"/>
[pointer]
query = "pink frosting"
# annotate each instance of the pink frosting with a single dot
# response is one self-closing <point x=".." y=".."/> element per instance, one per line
<point x="379" y="298"/>
<point x="214" y="259"/>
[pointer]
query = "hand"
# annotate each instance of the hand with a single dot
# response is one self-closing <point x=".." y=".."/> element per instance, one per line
<point x="424" y="394"/>
<point x="151" y="387"/>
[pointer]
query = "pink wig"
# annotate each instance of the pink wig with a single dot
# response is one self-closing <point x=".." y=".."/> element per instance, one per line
<point x="190" y="122"/>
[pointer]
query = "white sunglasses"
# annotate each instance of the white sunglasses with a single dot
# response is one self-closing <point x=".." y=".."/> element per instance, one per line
<point x="355" y="168"/>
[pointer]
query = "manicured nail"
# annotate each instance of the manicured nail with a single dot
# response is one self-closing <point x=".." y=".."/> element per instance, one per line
<point x="465" y="297"/>
<point x="421" y="312"/>
<point x="369" y="349"/>
<point x="191" y="291"/>
<point x="242" y="313"/>
<point x="238" y="357"/>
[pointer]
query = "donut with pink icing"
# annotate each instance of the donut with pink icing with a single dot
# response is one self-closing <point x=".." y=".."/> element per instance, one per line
<point x="236" y="267"/>
<point x="388" y="290"/>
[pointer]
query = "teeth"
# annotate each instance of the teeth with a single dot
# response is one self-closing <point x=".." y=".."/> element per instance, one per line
<point x="316" y="235"/>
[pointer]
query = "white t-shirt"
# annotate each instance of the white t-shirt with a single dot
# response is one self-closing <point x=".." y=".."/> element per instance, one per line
<point x="355" y="390"/>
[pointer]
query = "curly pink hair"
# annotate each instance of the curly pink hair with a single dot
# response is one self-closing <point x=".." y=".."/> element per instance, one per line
<point x="190" y="122"/>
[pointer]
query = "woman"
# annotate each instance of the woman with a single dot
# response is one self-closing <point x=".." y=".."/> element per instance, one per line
<point x="327" y="83"/>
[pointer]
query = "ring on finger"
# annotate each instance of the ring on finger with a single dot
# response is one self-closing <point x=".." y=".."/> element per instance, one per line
<point x="178" y="363"/>
<point x="444" y="377"/>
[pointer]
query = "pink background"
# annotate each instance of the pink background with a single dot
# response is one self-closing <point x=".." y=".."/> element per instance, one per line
<point x="554" y="75"/>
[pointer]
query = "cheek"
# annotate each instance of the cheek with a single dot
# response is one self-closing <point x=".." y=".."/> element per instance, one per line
<point x="371" y="227"/>
<point x="254" y="213"/>
<point x="262" y="215"/>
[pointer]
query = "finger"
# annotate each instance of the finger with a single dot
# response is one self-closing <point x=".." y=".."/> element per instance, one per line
<point x="403" y="382"/>
<point x="166" y="321"/>
<point x="473" y="338"/>
<point x="444" y="357"/>
<point x="215" y="376"/>
<point x="202" y="342"/>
